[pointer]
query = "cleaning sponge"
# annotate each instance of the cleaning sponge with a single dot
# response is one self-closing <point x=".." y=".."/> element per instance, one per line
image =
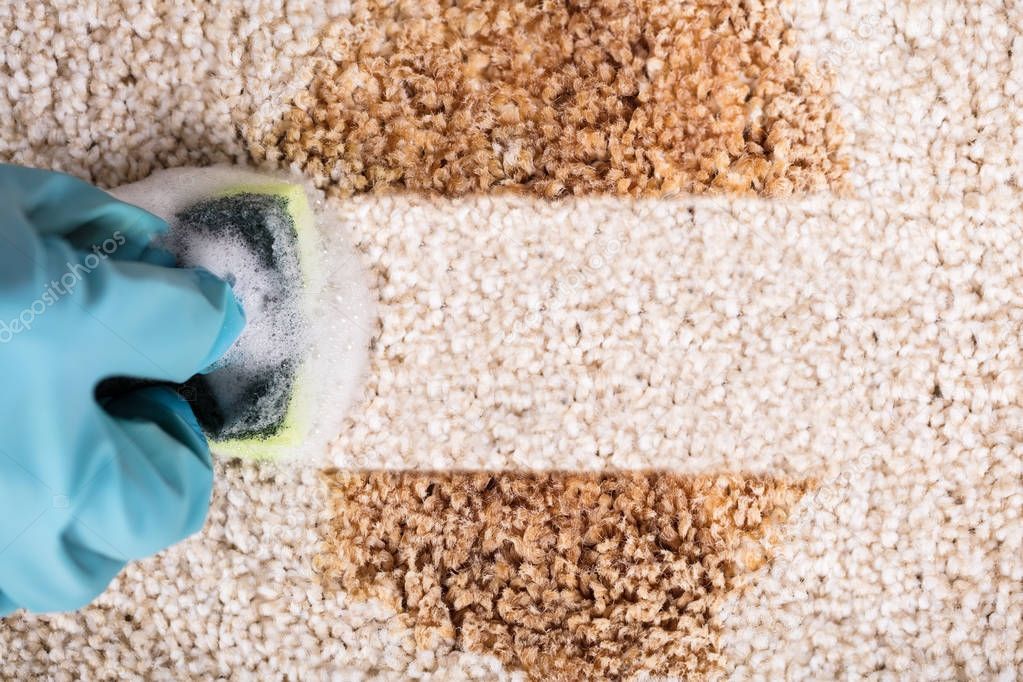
<point x="282" y="389"/>
<point x="251" y="237"/>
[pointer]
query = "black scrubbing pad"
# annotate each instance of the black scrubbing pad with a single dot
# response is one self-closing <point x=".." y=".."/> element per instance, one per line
<point x="249" y="239"/>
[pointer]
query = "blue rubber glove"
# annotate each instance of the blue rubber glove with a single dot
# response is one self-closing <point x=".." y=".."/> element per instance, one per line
<point x="87" y="484"/>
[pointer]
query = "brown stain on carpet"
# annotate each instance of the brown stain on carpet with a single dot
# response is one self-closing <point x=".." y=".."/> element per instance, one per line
<point x="568" y="576"/>
<point x="555" y="97"/>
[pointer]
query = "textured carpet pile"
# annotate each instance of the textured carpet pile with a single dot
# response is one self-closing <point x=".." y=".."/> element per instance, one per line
<point x="622" y="96"/>
<point x="568" y="576"/>
<point x="699" y="341"/>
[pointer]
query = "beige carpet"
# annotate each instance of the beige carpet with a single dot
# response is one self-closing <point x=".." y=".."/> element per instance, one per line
<point x="792" y="302"/>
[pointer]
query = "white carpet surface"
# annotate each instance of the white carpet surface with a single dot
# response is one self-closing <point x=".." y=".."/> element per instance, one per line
<point x="871" y="341"/>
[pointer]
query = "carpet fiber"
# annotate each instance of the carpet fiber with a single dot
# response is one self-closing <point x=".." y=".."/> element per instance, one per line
<point x="567" y="576"/>
<point x="633" y="97"/>
<point x="633" y="247"/>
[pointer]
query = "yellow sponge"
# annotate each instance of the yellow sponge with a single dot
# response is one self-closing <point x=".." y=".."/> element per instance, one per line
<point x="282" y="388"/>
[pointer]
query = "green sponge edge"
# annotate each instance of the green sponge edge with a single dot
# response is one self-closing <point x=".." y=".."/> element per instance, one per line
<point x="290" y="435"/>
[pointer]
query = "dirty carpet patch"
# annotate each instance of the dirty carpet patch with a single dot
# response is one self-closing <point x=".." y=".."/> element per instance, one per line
<point x="554" y="97"/>
<point x="564" y="575"/>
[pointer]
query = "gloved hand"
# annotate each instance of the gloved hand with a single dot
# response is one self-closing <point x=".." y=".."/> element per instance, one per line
<point x="86" y="483"/>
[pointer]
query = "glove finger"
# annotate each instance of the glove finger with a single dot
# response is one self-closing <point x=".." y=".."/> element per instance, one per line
<point x="160" y="323"/>
<point x="89" y="218"/>
<point x="6" y="605"/>
<point x="143" y="482"/>
<point x="155" y="489"/>
<point x="154" y="255"/>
